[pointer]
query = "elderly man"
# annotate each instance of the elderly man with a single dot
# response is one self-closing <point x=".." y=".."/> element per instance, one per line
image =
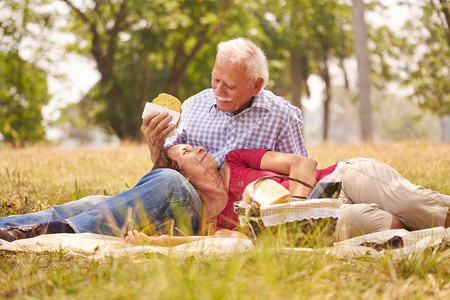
<point x="235" y="113"/>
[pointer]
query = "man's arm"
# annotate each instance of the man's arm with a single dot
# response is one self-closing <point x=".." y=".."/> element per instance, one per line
<point x="155" y="127"/>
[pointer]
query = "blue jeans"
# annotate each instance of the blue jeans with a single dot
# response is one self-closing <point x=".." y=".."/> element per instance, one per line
<point x="163" y="201"/>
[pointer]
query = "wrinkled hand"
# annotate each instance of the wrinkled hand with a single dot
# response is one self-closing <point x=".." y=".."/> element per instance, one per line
<point x="155" y="127"/>
<point x="136" y="238"/>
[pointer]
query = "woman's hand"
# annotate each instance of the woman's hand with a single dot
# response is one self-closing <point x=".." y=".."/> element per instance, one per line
<point x="136" y="238"/>
<point x="226" y="233"/>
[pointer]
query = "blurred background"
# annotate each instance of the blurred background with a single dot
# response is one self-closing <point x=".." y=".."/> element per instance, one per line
<point x="78" y="72"/>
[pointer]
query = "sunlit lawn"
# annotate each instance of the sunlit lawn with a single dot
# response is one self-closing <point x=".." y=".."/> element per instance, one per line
<point x="34" y="178"/>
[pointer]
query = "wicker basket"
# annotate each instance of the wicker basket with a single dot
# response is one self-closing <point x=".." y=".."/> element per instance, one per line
<point x="306" y="223"/>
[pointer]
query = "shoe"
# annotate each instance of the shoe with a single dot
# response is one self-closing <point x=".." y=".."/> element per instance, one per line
<point x="12" y="233"/>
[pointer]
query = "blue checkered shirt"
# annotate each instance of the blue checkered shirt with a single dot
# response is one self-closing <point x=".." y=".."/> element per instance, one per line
<point x="270" y="123"/>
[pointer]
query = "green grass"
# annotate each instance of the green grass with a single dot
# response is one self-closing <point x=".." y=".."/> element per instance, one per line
<point x="35" y="178"/>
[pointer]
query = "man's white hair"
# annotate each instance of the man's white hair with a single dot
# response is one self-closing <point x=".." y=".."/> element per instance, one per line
<point x="244" y="51"/>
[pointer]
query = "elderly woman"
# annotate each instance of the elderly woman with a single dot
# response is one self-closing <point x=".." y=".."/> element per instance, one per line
<point x="376" y="197"/>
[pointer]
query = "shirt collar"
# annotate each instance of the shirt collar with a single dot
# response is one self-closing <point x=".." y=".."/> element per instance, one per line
<point x="259" y="101"/>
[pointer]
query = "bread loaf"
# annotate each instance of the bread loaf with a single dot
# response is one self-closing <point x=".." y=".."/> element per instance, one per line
<point x="168" y="101"/>
<point x="266" y="192"/>
<point x="164" y="103"/>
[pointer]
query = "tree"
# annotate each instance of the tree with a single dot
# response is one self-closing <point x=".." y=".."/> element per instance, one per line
<point x="428" y="54"/>
<point x="310" y="34"/>
<point x="332" y="42"/>
<point x="23" y="85"/>
<point x="445" y="9"/>
<point x="143" y="48"/>
<point x="23" y="93"/>
<point x="362" y="56"/>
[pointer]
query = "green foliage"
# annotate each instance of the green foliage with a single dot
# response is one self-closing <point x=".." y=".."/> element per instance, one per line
<point x="23" y="93"/>
<point x="169" y="46"/>
<point x="23" y="85"/>
<point x="143" y="48"/>
<point x="299" y="34"/>
<point x="429" y="53"/>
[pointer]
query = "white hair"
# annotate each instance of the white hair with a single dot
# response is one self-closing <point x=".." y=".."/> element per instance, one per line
<point x="244" y="51"/>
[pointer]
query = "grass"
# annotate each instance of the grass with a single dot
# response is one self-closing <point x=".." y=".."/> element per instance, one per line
<point x="37" y="177"/>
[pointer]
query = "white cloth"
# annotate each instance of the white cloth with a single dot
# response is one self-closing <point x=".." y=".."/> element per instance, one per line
<point x="98" y="246"/>
<point x="277" y="214"/>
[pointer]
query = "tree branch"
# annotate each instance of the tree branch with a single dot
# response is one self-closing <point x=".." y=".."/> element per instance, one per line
<point x="446" y="10"/>
<point x="97" y="50"/>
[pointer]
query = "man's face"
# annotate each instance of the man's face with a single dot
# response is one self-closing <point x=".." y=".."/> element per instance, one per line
<point x="231" y="85"/>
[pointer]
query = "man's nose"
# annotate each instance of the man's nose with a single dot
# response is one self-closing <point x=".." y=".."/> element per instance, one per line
<point x="218" y="88"/>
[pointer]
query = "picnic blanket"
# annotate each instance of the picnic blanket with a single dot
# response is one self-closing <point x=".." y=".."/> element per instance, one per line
<point x="101" y="246"/>
<point x="377" y="244"/>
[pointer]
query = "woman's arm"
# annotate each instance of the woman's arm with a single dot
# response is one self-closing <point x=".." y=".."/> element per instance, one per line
<point x="137" y="238"/>
<point x="295" y="166"/>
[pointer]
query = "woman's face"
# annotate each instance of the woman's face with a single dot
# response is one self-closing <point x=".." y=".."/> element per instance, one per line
<point x="194" y="162"/>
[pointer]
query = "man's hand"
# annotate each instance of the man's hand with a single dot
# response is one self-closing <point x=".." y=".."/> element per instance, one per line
<point x="155" y="127"/>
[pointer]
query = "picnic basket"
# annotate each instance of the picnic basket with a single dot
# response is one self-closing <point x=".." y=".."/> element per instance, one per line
<point x="294" y="222"/>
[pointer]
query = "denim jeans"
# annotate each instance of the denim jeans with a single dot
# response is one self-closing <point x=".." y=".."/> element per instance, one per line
<point x="162" y="200"/>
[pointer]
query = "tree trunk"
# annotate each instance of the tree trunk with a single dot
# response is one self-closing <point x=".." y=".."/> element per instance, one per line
<point x="145" y="73"/>
<point x="445" y="128"/>
<point x="446" y="11"/>
<point x="325" y="74"/>
<point x="297" y="78"/>
<point x="362" y="56"/>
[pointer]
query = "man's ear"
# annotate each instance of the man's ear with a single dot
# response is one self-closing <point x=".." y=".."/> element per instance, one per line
<point x="257" y="86"/>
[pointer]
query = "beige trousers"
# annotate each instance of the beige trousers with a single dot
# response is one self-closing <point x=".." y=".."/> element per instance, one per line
<point x="373" y="192"/>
